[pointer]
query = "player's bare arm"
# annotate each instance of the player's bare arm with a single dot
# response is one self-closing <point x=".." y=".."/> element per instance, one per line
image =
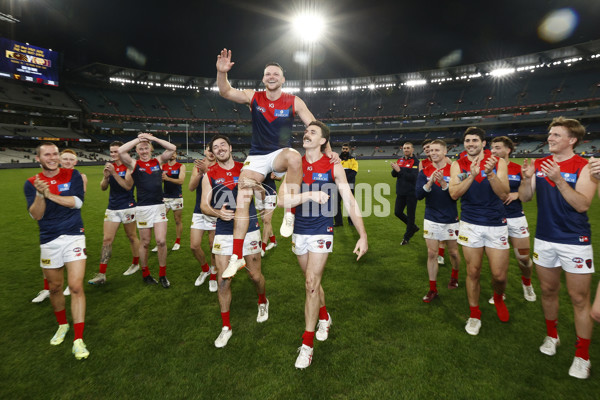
<point x="527" y="187"/>
<point x="106" y="173"/>
<point x="224" y="213"/>
<point x="197" y="172"/>
<point x="124" y="153"/>
<point x="351" y="206"/>
<point x="224" y="64"/>
<point x="499" y="180"/>
<point x="38" y="207"/>
<point x="288" y="200"/>
<point x="459" y="184"/>
<point x="169" y="147"/>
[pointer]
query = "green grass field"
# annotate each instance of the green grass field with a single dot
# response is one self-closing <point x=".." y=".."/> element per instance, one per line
<point x="385" y="343"/>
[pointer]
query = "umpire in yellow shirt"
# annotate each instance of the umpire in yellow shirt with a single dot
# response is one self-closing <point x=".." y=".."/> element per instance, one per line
<point x="351" y="168"/>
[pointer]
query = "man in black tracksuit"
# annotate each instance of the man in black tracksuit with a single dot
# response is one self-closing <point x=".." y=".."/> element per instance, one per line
<point x="405" y="170"/>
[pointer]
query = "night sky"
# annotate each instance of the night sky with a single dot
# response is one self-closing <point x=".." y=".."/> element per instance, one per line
<point x="363" y="38"/>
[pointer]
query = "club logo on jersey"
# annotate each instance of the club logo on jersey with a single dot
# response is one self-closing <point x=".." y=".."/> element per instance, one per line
<point x="309" y="168"/>
<point x="317" y="176"/>
<point x="577" y="260"/>
<point x="45" y="261"/>
<point x="271" y="105"/>
<point x="589" y="263"/>
<point x="330" y="229"/>
<point x="261" y="109"/>
<point x="540" y="174"/>
<point x="64" y="187"/>
<point x="281" y="113"/>
<point x="228" y="173"/>
<point x="584" y="239"/>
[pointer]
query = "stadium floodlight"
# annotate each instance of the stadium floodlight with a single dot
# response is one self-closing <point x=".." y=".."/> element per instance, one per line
<point x="500" y="72"/>
<point x="309" y="27"/>
<point x="416" y="82"/>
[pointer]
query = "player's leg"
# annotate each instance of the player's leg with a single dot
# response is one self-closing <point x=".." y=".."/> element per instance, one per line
<point x="473" y="256"/>
<point x="595" y="312"/>
<point x="134" y="243"/>
<point x="290" y="162"/>
<point x="196" y="236"/>
<point x="454" y="254"/>
<point x="178" y="228"/>
<point x="498" y="260"/>
<point x="212" y="282"/>
<point x="267" y="232"/>
<point x="168" y="206"/>
<point x="253" y="265"/>
<point x="160" y="235"/>
<point x="521" y="248"/>
<point x="224" y="295"/>
<point x="550" y="285"/>
<point x="432" y="269"/>
<point x="55" y="277"/>
<point x="75" y="274"/>
<point x="44" y="293"/>
<point x="145" y="237"/>
<point x="109" y="231"/>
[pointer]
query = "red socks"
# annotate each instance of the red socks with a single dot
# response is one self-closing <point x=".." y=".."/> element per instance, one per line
<point x="272" y="239"/>
<point x="454" y="274"/>
<point x="582" y="348"/>
<point x="323" y="313"/>
<point x="433" y="286"/>
<point x="308" y="338"/>
<point x="145" y="271"/>
<point x="264" y="246"/>
<point x="61" y="316"/>
<point x="78" y="328"/>
<point x="551" y="330"/>
<point x="205" y="267"/>
<point x="178" y="240"/>
<point x="225" y="318"/>
<point x="441" y="252"/>
<point x="501" y="309"/>
<point x="103" y="268"/>
<point x="238" y="247"/>
<point x="526" y="281"/>
<point x="135" y="261"/>
<point x="475" y="312"/>
<point x="262" y="299"/>
<point x="46" y="287"/>
<point x="162" y="271"/>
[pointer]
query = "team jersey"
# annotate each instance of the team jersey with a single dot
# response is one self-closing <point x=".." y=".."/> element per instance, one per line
<point x="406" y="178"/>
<point x="515" y="208"/>
<point x="119" y="198"/>
<point x="439" y="206"/>
<point x="557" y="220"/>
<point x="224" y="190"/>
<point x="486" y="153"/>
<point x="147" y="176"/>
<point x="172" y="190"/>
<point x="425" y="163"/>
<point x="58" y="220"/>
<point x="313" y="218"/>
<point x="272" y="123"/>
<point x="197" y="209"/>
<point x="480" y="205"/>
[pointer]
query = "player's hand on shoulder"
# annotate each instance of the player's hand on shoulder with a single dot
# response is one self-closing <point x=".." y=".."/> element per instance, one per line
<point x="335" y="157"/>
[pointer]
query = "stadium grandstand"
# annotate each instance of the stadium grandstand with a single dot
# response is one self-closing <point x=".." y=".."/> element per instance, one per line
<point x="518" y="97"/>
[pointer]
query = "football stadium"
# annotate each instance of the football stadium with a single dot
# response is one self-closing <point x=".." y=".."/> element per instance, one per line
<point x="82" y="77"/>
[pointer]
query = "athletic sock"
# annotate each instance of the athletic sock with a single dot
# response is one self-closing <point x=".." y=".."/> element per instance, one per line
<point x="441" y="251"/>
<point x="501" y="309"/>
<point x="213" y="273"/>
<point x="264" y="246"/>
<point x="46" y="286"/>
<point x="238" y="247"/>
<point x="526" y="281"/>
<point x="475" y="312"/>
<point x="262" y="299"/>
<point x="551" y="328"/>
<point x="145" y="271"/>
<point x="225" y="318"/>
<point x="273" y="239"/>
<point x="433" y="286"/>
<point x="162" y="270"/>
<point x="323" y="315"/>
<point x="308" y="338"/>
<point x="205" y="267"/>
<point x="103" y="268"/>
<point x="61" y="316"/>
<point x="178" y="241"/>
<point x="78" y="328"/>
<point x="582" y="347"/>
<point x="454" y="274"/>
<point x="135" y="261"/>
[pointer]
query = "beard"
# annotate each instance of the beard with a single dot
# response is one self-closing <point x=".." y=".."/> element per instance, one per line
<point x="344" y="155"/>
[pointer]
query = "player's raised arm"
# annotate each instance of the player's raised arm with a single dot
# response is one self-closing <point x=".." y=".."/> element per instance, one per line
<point x="124" y="153"/>
<point x="527" y="187"/>
<point x="224" y="64"/>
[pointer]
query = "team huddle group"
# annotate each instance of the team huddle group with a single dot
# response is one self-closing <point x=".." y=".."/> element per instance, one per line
<point x="230" y="195"/>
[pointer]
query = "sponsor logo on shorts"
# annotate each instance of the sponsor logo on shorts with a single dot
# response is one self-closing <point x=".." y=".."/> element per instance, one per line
<point x="589" y="263"/>
<point x="577" y="260"/>
<point x="246" y="163"/>
<point x="535" y="255"/>
<point x="105" y="216"/>
<point x="450" y="232"/>
<point x="320" y="241"/>
<point x="217" y="246"/>
<point x="163" y="215"/>
<point x="293" y="246"/>
<point x="77" y="250"/>
<point x="524" y="229"/>
<point x="45" y="261"/>
<point x="141" y="223"/>
<point x="425" y="232"/>
<point x="463" y="239"/>
<point x="584" y="239"/>
<point x="253" y="243"/>
<point x="503" y="239"/>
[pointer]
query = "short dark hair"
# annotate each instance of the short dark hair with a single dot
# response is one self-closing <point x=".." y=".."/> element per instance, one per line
<point x="440" y="142"/>
<point x="506" y="141"/>
<point x="426" y="142"/>
<point x="275" y="64"/>
<point x="216" y="137"/>
<point x="574" y="127"/>
<point x="116" y="143"/>
<point x="325" y="133"/>
<point x="473" y="130"/>
<point x="39" y="147"/>
<point x="346" y="145"/>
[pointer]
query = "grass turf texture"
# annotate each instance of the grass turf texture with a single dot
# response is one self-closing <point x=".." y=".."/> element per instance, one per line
<point x="147" y="342"/>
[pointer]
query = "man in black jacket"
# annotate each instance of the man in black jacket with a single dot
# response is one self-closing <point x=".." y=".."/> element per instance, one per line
<point x="405" y="170"/>
<point x="351" y="169"/>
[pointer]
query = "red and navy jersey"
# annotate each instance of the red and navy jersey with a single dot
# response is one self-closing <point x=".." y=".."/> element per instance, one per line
<point x="486" y="153"/>
<point x="147" y="176"/>
<point x="439" y="206"/>
<point x="425" y="163"/>
<point x="557" y="220"/>
<point x="58" y="220"/>
<point x="224" y="191"/>
<point x="313" y="218"/>
<point x="119" y="198"/>
<point x="197" y="209"/>
<point x="172" y="190"/>
<point x="515" y="208"/>
<point x="480" y="205"/>
<point x="272" y="123"/>
<point x="406" y="178"/>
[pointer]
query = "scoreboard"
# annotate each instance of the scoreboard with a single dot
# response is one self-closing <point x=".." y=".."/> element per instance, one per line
<point x="28" y="63"/>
